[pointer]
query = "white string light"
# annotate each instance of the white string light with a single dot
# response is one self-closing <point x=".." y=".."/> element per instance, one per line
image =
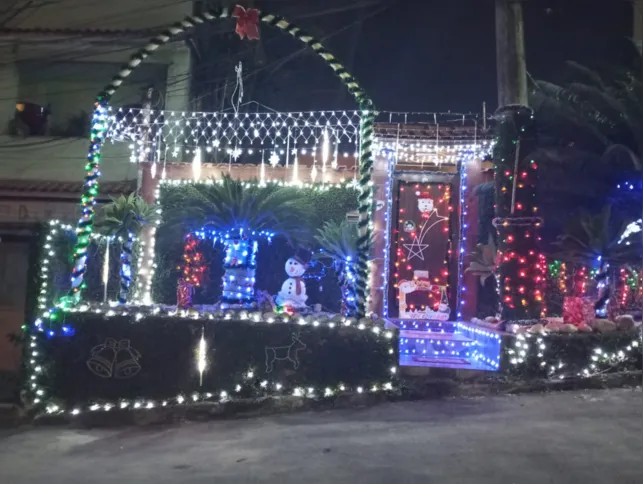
<point x="524" y="348"/>
<point x="196" y="165"/>
<point x="201" y="356"/>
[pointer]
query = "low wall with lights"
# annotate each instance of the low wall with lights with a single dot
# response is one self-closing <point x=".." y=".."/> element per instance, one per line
<point x="124" y="358"/>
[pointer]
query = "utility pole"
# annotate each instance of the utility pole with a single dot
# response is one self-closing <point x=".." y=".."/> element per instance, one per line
<point x="510" y="53"/>
<point x="637" y="36"/>
<point x="521" y="269"/>
<point x="637" y="26"/>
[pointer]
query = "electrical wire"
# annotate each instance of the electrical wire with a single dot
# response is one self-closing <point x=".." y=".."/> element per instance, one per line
<point x="278" y="63"/>
<point x="180" y="78"/>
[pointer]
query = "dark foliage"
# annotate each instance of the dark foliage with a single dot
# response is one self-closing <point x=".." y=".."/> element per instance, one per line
<point x="325" y="206"/>
<point x="167" y="348"/>
<point x="575" y="351"/>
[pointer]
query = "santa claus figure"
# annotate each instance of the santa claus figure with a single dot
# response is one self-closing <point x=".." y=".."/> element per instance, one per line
<point x="425" y="204"/>
<point x="293" y="290"/>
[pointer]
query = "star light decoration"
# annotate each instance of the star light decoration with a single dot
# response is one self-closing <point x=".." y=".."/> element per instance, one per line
<point x="416" y="249"/>
<point x="274" y="159"/>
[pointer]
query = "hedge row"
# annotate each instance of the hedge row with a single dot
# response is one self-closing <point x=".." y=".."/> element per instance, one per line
<point x="156" y="357"/>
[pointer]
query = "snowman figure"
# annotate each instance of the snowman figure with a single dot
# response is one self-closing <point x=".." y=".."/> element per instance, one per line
<point x="293" y="290"/>
<point x="425" y="204"/>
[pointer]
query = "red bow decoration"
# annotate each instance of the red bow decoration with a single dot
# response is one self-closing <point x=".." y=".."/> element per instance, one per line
<point x="247" y="22"/>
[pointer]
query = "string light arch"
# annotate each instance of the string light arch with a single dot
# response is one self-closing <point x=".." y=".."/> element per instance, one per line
<point x="85" y="223"/>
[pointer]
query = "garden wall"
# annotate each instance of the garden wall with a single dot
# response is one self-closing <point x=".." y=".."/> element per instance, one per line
<point x="107" y="359"/>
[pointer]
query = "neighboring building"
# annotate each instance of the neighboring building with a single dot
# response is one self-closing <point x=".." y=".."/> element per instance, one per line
<point x="54" y="59"/>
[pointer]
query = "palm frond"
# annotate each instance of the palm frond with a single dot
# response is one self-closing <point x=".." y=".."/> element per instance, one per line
<point x="126" y="214"/>
<point x="228" y="204"/>
<point x="594" y="237"/>
<point x="338" y="241"/>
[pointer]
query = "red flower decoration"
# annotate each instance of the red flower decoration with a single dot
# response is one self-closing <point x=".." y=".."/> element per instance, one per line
<point x="247" y="22"/>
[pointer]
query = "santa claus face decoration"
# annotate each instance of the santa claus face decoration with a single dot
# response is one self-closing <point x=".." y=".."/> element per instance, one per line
<point x="425" y="203"/>
<point x="295" y="267"/>
<point x="407" y="287"/>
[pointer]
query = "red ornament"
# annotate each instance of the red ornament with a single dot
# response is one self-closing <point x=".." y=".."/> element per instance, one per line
<point x="247" y="22"/>
<point x="578" y="310"/>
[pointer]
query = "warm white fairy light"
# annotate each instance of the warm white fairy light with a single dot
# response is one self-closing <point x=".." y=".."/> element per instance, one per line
<point x="524" y="348"/>
<point x="295" y="172"/>
<point x="196" y="165"/>
<point x="325" y="151"/>
<point x="309" y="392"/>
<point x="262" y="173"/>
<point x="433" y="153"/>
<point x="201" y="356"/>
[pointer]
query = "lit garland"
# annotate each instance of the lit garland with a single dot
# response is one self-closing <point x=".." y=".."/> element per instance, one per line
<point x="444" y="153"/>
<point x="631" y="288"/>
<point x="52" y="316"/>
<point x="126" y="268"/>
<point x="240" y="263"/>
<point x="525" y="348"/>
<point x="271" y="388"/>
<point x="521" y="270"/>
<point x="85" y="224"/>
<point x="193" y="264"/>
<point x="460" y="300"/>
<point x="55" y="230"/>
<point x="392" y="160"/>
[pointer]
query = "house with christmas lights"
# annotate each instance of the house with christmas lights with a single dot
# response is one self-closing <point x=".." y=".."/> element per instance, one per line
<point x="55" y="57"/>
<point x="291" y="254"/>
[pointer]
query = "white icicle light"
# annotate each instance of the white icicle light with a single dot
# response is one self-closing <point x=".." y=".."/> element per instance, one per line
<point x="201" y="356"/>
<point x="196" y="165"/>
<point x="325" y="152"/>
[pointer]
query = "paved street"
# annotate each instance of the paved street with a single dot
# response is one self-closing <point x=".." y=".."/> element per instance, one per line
<point x="576" y="437"/>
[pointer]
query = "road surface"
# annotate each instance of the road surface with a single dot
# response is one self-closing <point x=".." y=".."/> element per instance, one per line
<point x="574" y="437"/>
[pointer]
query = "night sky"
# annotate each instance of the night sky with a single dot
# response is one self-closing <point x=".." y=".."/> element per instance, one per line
<point x="432" y="55"/>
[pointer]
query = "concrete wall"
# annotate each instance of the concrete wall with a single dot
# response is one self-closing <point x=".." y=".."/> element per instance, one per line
<point x="60" y="159"/>
<point x="67" y="71"/>
<point x="101" y="14"/>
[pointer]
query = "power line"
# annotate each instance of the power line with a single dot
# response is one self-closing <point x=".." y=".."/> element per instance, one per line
<point x="184" y="77"/>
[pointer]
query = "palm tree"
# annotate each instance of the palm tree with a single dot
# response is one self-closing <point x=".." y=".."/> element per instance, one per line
<point x="338" y="242"/>
<point x="484" y="264"/>
<point x="596" y="241"/>
<point x="238" y="214"/>
<point x="593" y="125"/>
<point x="484" y="261"/>
<point x="123" y="219"/>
